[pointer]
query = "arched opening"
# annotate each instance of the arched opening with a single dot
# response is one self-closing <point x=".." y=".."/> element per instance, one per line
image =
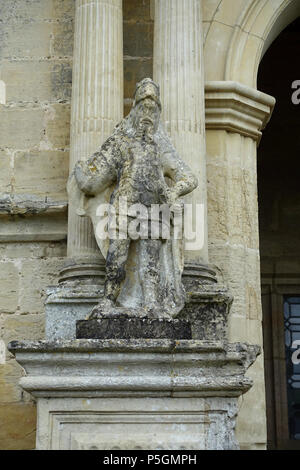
<point x="279" y="219"/>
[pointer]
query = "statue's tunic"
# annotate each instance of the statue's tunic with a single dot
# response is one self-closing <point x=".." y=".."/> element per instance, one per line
<point x="141" y="176"/>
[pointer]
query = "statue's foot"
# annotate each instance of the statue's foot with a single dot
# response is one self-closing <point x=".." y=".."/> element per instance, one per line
<point x="156" y="311"/>
<point x="103" y="308"/>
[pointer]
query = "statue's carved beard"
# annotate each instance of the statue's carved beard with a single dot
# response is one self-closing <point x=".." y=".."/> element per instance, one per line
<point x="145" y="133"/>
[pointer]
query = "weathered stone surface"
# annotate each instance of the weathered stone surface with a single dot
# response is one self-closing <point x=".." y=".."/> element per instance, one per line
<point x="138" y="62"/>
<point x="135" y="10"/>
<point x="28" y="39"/>
<point x="62" y="39"/>
<point x="32" y="250"/>
<point x="29" y="204"/>
<point x="171" y="424"/>
<point x="36" y="73"/>
<point x="134" y="71"/>
<point x="170" y="373"/>
<point x="33" y="229"/>
<point x="21" y="128"/>
<point x="57" y="127"/>
<point x="41" y="172"/>
<point x="9" y="281"/>
<point x="129" y="327"/>
<point x="19" y="436"/>
<point x="24" y="10"/>
<point x="208" y="311"/>
<point x="143" y="271"/>
<point x="61" y="81"/>
<point x="65" y="305"/>
<point x="10" y="373"/>
<point x="36" y="275"/>
<point x="195" y="382"/>
<point x="29" y="326"/>
<point x="36" y="80"/>
<point x="6" y="172"/>
<point x="143" y="47"/>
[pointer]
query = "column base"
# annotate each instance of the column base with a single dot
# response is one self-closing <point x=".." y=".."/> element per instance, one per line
<point x="137" y="394"/>
<point x="86" y="271"/>
<point x="195" y="275"/>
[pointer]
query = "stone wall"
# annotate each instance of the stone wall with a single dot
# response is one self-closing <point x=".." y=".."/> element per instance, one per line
<point x="36" y="70"/>
<point x="36" y="48"/>
<point x="138" y="45"/>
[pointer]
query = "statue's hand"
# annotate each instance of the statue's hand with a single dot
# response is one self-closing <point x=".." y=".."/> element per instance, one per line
<point x="171" y="196"/>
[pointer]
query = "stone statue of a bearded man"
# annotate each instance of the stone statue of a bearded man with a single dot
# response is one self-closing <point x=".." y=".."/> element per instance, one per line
<point x="143" y="274"/>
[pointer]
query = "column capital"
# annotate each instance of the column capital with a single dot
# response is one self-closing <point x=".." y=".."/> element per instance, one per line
<point x="234" y="107"/>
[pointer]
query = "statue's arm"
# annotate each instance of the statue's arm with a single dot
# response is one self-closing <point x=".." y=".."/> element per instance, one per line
<point x="181" y="175"/>
<point x="98" y="172"/>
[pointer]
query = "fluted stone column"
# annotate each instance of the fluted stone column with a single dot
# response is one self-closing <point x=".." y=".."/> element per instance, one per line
<point x="178" y="69"/>
<point x="97" y="106"/>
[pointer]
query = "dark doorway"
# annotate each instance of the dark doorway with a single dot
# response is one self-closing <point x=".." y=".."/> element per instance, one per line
<point x="279" y="218"/>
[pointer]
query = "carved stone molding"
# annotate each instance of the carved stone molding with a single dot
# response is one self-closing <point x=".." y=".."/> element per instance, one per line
<point x="30" y="204"/>
<point x="156" y="366"/>
<point x="30" y="218"/>
<point x="234" y="107"/>
<point x="145" y="394"/>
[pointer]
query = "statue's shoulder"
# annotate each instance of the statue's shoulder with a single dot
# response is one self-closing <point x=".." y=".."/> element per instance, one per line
<point x="113" y="142"/>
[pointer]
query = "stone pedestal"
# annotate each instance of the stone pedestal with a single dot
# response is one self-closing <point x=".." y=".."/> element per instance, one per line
<point x="65" y="305"/>
<point x="137" y="394"/>
<point x="128" y="326"/>
<point x="206" y="309"/>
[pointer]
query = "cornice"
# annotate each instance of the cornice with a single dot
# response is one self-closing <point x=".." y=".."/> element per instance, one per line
<point x="234" y="107"/>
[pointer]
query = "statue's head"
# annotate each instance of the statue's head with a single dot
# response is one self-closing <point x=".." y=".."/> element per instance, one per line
<point x="147" y="106"/>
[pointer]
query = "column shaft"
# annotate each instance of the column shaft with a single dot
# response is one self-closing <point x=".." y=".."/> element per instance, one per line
<point x="97" y="100"/>
<point x="178" y="69"/>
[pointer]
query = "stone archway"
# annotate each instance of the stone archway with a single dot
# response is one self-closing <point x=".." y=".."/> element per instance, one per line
<point x="279" y="206"/>
<point x="237" y="33"/>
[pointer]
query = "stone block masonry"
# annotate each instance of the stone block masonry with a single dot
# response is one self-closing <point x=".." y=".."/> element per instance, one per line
<point x="138" y="30"/>
<point x="36" y="51"/>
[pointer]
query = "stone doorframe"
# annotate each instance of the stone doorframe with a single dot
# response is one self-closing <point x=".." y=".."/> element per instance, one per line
<point x="237" y="33"/>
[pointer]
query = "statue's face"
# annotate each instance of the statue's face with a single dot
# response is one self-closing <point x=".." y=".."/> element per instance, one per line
<point x="147" y="115"/>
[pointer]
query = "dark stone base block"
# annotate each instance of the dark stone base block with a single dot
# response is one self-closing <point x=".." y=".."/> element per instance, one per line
<point x="125" y="327"/>
<point x="207" y="310"/>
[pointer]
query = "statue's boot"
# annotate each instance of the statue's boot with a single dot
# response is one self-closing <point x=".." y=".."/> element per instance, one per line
<point x="105" y="307"/>
<point x="155" y="310"/>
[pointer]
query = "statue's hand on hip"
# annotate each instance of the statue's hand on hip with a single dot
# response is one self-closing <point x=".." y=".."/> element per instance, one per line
<point x="171" y="196"/>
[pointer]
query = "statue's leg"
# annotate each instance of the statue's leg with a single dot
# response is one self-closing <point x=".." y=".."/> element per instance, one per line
<point x="149" y="274"/>
<point x="115" y="267"/>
